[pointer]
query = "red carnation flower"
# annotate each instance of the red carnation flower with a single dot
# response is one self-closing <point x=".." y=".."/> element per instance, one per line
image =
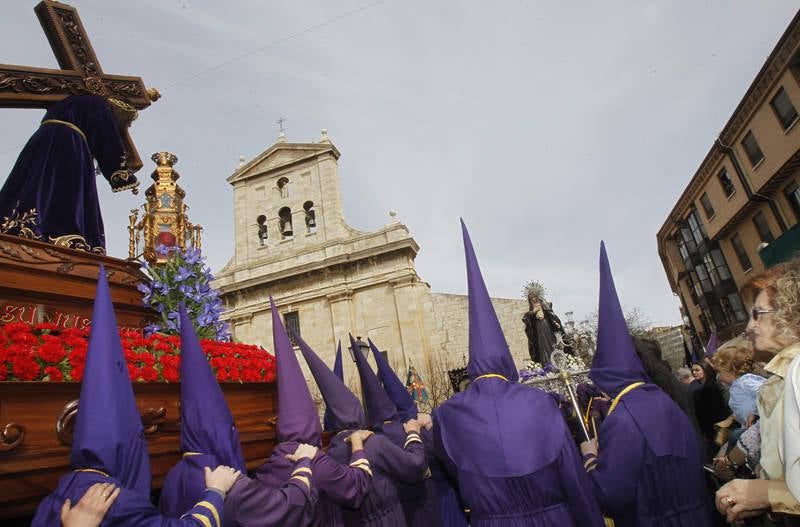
<point x="54" y="374"/>
<point x="171" y="374"/>
<point x="16" y="328"/>
<point x="134" y="373"/>
<point x="149" y="374"/>
<point x="51" y="352"/>
<point x="77" y="373"/>
<point x="25" y="368"/>
<point x="3" y="372"/>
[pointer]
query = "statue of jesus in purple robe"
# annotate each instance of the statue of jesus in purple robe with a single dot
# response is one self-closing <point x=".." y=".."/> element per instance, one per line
<point x="50" y="194"/>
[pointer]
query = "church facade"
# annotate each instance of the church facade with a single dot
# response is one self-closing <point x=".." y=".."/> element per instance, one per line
<point x="329" y="279"/>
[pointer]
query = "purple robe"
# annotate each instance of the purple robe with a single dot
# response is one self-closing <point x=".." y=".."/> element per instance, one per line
<point x="131" y="509"/>
<point x="328" y="419"/>
<point x="638" y="487"/>
<point x="209" y="436"/>
<point x="250" y="503"/>
<point x="339" y="485"/>
<point x="524" y="470"/>
<point x="390" y="465"/>
<point x="55" y="172"/>
<point x="420" y="500"/>
<point x="108" y="444"/>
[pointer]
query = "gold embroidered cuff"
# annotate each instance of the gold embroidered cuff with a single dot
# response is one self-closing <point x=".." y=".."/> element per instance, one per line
<point x="363" y="464"/>
<point x="210" y="506"/>
<point x="304" y="479"/>
<point x="301" y="470"/>
<point x="202" y="519"/>
<point x="412" y="439"/>
<point x="365" y="467"/>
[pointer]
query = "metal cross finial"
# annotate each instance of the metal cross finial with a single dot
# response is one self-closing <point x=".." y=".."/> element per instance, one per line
<point x="280" y="122"/>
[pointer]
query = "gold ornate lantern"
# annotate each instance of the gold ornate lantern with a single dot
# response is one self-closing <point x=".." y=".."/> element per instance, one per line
<point x="164" y="221"/>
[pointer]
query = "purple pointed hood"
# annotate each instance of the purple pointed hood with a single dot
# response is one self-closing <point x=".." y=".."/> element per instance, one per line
<point x="108" y="434"/>
<point x="379" y="407"/>
<point x="615" y="364"/>
<point x="339" y="372"/>
<point x="207" y="425"/>
<point x="298" y="419"/>
<point x="394" y="387"/>
<point x="711" y="347"/>
<point x="345" y="407"/>
<point x="488" y="350"/>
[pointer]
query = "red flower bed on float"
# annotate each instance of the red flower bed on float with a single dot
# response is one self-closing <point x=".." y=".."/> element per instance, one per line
<point x="47" y="353"/>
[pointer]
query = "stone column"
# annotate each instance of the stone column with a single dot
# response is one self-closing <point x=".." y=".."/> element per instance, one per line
<point x="409" y="319"/>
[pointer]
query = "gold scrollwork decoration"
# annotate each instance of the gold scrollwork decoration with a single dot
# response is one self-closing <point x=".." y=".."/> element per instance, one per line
<point x="77" y="242"/>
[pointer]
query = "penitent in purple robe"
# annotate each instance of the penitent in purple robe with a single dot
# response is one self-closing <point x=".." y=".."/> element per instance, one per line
<point x="517" y="475"/>
<point x="292" y="501"/>
<point x="108" y="443"/>
<point x="250" y="503"/>
<point x="338" y="370"/>
<point x="339" y="484"/>
<point x="648" y="471"/>
<point x="419" y="500"/>
<point x="391" y="465"/>
<point x="506" y="445"/>
<point x="209" y="437"/>
<point x="55" y="174"/>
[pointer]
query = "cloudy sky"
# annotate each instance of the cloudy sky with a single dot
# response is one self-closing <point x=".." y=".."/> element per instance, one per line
<point x="547" y="125"/>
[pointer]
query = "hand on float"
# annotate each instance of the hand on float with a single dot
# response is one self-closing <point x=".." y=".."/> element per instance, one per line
<point x="412" y="425"/>
<point x="425" y="421"/>
<point x="303" y="450"/>
<point x="92" y="507"/>
<point x="221" y="478"/>
<point x="357" y="439"/>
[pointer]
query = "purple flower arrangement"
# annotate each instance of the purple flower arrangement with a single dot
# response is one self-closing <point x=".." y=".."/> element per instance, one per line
<point x="534" y="370"/>
<point x="186" y="278"/>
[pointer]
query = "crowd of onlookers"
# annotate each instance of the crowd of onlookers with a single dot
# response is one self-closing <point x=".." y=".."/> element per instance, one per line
<point x="743" y="398"/>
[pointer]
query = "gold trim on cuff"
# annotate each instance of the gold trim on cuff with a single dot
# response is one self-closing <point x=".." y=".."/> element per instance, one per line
<point x="202" y="519"/>
<point x="304" y="479"/>
<point x="210" y="506"/>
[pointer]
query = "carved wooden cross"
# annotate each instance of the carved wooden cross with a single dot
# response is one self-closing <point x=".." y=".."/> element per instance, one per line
<point x="28" y="87"/>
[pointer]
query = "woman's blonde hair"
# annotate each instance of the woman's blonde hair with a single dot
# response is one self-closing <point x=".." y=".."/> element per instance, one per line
<point x="735" y="358"/>
<point x="782" y="284"/>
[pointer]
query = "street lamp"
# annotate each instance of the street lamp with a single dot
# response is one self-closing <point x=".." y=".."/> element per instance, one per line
<point x="361" y="345"/>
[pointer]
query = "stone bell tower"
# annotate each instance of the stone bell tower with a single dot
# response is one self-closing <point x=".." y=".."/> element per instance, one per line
<point x="287" y="199"/>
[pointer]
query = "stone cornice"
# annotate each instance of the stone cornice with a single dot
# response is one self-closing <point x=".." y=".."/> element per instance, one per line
<point x="340" y="296"/>
<point x="760" y="88"/>
<point x="334" y="293"/>
<point x="287" y="274"/>
<point x="332" y="253"/>
<point x="405" y="281"/>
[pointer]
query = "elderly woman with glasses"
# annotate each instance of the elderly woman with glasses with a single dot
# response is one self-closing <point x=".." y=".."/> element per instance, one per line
<point x="774" y="330"/>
